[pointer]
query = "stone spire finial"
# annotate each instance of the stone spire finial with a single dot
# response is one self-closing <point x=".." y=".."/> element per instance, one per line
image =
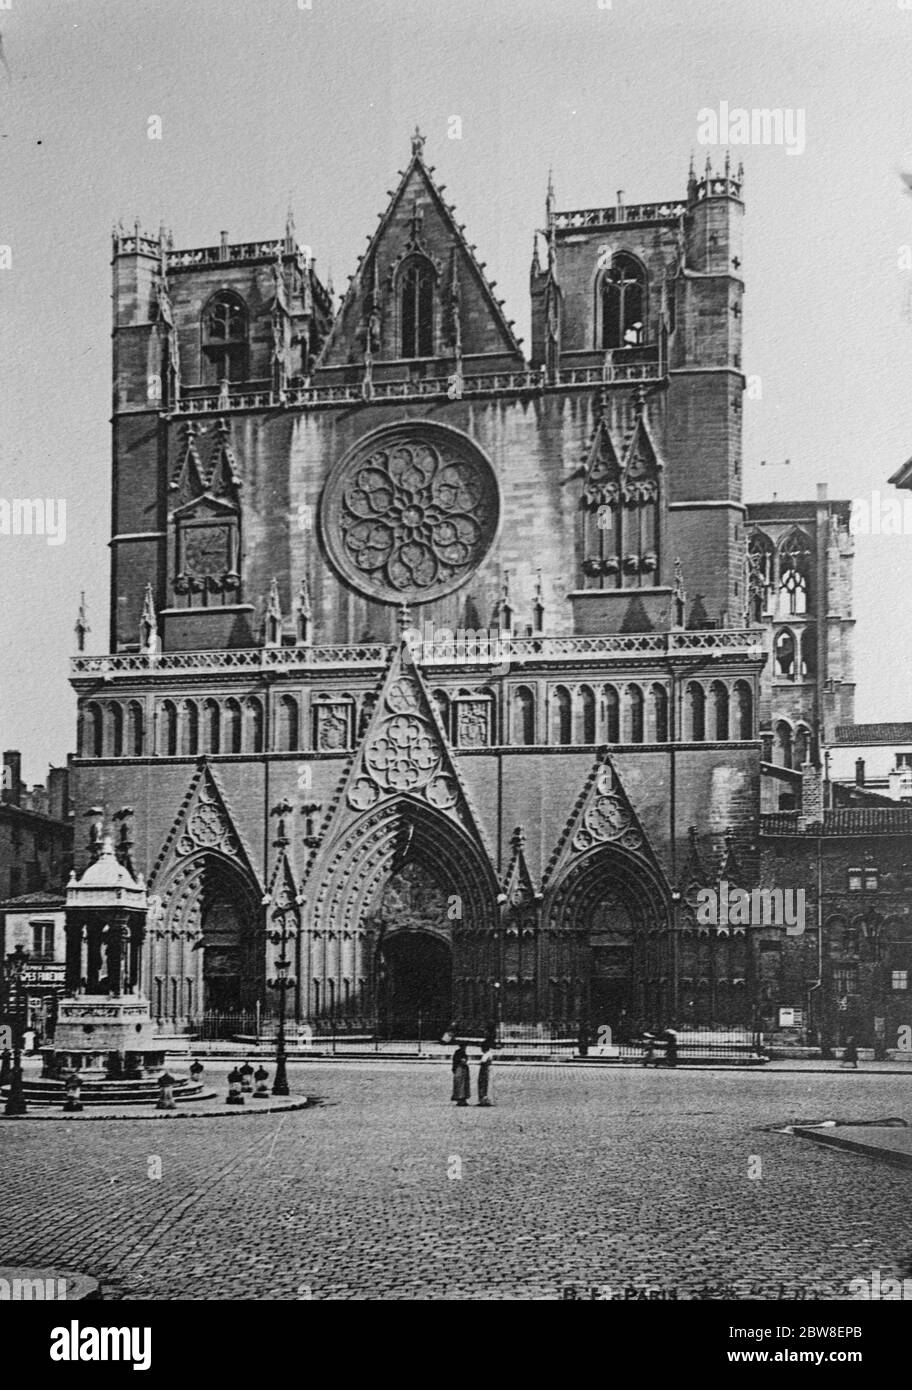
<point x="418" y="142"/>
<point x="148" y="624"/>
<point x="82" y="624"/>
<point x="274" y="615"/>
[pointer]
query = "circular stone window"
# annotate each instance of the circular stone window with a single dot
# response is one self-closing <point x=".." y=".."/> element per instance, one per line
<point x="410" y="512"/>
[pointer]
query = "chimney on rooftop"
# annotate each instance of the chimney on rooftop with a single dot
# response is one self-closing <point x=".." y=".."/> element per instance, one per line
<point x="12" y="777"/>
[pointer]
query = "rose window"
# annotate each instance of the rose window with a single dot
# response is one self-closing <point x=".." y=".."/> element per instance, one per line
<point x="411" y="512"/>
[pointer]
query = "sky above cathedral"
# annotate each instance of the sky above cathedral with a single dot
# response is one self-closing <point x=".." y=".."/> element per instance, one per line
<point x="265" y="101"/>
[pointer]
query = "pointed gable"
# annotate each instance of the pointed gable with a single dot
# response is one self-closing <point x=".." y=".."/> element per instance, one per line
<point x="187" y="480"/>
<point x="404" y="753"/>
<point x="204" y="821"/>
<point x="518" y="887"/>
<point x="602" y="814"/>
<point x="642" y="464"/>
<point x="602" y="469"/>
<point x="419" y="231"/>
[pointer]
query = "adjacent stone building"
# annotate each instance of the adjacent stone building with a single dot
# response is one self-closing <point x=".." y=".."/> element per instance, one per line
<point x="445" y="661"/>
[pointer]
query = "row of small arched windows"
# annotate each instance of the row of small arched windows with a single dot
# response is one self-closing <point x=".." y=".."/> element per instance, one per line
<point x="635" y="714"/>
<point x="631" y="713"/>
<point x="187" y="728"/>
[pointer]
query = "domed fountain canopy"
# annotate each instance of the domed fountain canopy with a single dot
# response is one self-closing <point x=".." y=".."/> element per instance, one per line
<point x="107" y="883"/>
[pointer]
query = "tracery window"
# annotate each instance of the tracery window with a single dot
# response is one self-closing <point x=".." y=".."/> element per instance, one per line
<point x="224" y="333"/>
<point x="416" y="309"/>
<point x="794" y="574"/>
<point x="759" y="576"/>
<point x="623" y="303"/>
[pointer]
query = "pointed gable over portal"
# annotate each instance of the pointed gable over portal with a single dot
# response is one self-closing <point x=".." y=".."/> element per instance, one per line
<point x="419" y="291"/>
<point x="404" y="753"/>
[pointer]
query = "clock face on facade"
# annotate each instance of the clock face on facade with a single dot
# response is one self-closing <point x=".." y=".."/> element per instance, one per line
<point x="410" y="512"/>
<point x="205" y="550"/>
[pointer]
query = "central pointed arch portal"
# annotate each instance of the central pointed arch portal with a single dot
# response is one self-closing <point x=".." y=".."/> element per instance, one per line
<point x="401" y="925"/>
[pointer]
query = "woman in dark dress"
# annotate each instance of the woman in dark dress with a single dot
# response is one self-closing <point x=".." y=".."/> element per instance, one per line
<point x="460" y="1076"/>
<point x="484" y="1071"/>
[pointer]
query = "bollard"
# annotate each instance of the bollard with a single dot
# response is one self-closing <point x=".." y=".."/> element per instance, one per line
<point x="246" y="1078"/>
<point x="261" y="1076"/>
<point x="196" y="1071"/>
<point x="6" y="1066"/>
<point x="234" y="1096"/>
<point x="72" y="1087"/>
<point x="165" y="1092"/>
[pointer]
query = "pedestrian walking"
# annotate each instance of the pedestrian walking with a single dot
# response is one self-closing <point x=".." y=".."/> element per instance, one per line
<point x="484" y="1071"/>
<point x="671" y="1047"/>
<point x="461" y="1084"/>
<point x="850" y="1054"/>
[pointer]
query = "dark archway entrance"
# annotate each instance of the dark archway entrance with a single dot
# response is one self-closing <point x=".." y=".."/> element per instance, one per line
<point x="416" y="985"/>
<point x="222" y="955"/>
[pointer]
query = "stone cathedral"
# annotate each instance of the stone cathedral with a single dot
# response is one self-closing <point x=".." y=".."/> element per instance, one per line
<point x="460" y="668"/>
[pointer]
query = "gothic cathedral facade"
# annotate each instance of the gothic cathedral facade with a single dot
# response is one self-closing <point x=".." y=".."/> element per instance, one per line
<point x="439" y="668"/>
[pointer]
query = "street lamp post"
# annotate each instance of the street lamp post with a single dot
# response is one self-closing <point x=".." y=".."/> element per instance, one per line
<point x="283" y="982"/>
<point x="15" y="1101"/>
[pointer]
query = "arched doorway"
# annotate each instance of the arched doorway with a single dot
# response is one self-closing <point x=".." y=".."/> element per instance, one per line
<point x="222" y="954"/>
<point x="610" y="960"/>
<point x="416" y="992"/>
<point x="206" y="947"/>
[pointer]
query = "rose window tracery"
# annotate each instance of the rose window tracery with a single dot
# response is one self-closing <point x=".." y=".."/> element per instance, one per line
<point x="411" y="512"/>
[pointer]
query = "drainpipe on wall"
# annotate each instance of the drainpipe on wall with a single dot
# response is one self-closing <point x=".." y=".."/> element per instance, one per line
<point x="818" y="983"/>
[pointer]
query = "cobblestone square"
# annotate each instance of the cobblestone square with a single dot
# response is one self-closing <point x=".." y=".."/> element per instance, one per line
<point x="631" y="1179"/>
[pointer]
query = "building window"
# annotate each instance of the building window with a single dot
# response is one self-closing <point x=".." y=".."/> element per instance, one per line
<point x="845" y="980"/>
<point x="416" y="308"/>
<point x="794" y="574"/>
<point x="43" y="940"/>
<point x="623" y="303"/>
<point x="225" y="339"/>
<point x="899" y="979"/>
<point x="871" y="880"/>
<point x="760" y="576"/>
<point x="855" y="880"/>
<point x="903" y="760"/>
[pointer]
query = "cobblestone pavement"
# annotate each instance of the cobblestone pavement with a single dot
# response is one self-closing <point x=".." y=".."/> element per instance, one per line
<point x="646" y="1179"/>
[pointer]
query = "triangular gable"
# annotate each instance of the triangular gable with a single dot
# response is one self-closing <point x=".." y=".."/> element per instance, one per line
<point x="642" y="461"/>
<point x="602" y="814"/>
<point x="418" y="221"/>
<point x="403" y="753"/>
<point x="518" y="887"/>
<point x="602" y="469"/>
<point x="204" y="821"/>
<point x="224" y="479"/>
<point x="188" y="480"/>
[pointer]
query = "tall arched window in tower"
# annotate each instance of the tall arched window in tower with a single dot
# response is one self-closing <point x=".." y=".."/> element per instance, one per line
<point x="416" y="308"/>
<point x="794" y="574"/>
<point x="224" y="334"/>
<point x="93" y="735"/>
<point x="623" y="303"/>
<point x="784" y="654"/>
<point x="782" y="744"/>
<point x="759" y="576"/>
